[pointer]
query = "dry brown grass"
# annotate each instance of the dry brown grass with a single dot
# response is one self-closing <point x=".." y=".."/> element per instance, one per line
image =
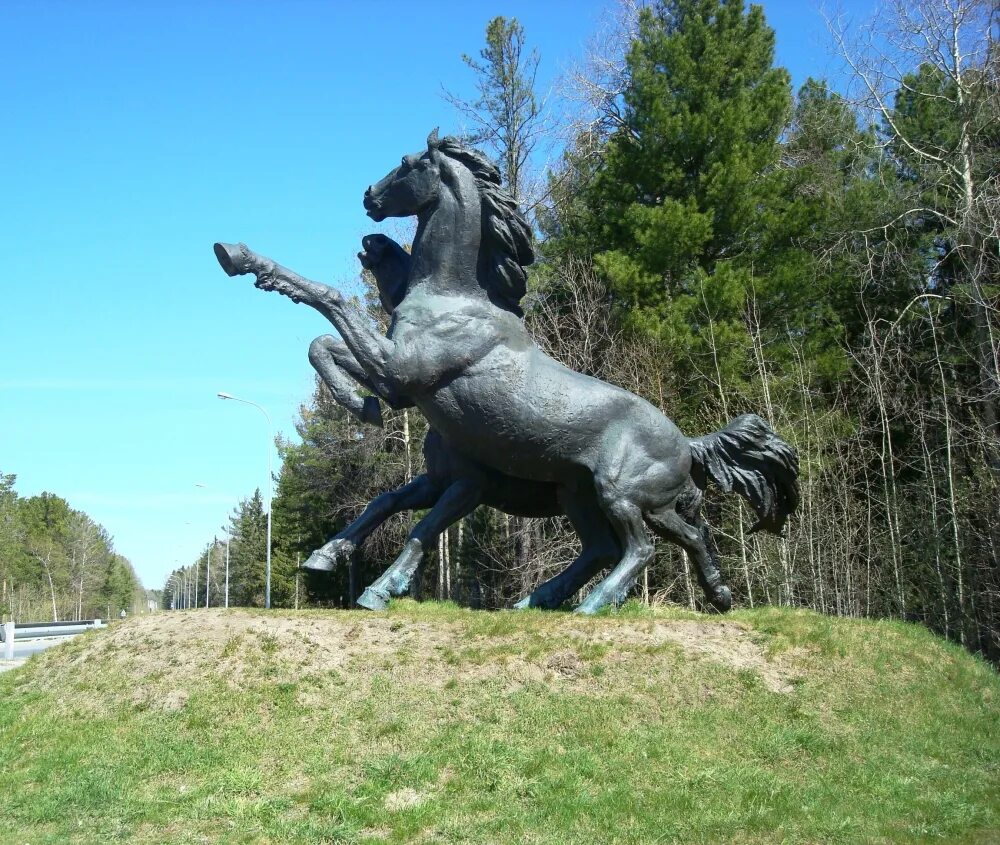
<point x="561" y="649"/>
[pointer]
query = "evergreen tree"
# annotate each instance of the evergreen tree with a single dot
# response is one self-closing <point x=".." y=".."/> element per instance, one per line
<point x="832" y="181"/>
<point x="120" y="586"/>
<point x="46" y="519"/>
<point x="248" y="553"/>
<point x="56" y="562"/>
<point x="12" y="561"/>
<point x="671" y="215"/>
<point x="683" y="178"/>
<point x="507" y="114"/>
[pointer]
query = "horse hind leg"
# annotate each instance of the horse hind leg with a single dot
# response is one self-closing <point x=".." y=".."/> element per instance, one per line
<point x="600" y="549"/>
<point x="693" y="536"/>
<point x="627" y="520"/>
<point x="689" y="507"/>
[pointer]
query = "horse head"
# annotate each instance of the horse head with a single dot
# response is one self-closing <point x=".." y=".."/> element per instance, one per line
<point x="408" y="189"/>
<point x="453" y="176"/>
<point x="389" y="263"/>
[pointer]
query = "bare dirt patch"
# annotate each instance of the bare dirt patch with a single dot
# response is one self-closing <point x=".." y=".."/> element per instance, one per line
<point x="174" y="700"/>
<point x="566" y="663"/>
<point x="141" y="658"/>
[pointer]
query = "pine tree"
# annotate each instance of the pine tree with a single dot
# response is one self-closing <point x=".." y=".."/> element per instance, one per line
<point x="704" y="112"/>
<point x="248" y="552"/>
<point x="673" y="212"/>
<point x="120" y="586"/>
<point x="506" y="114"/>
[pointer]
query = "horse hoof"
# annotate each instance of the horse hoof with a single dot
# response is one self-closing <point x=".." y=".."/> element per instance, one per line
<point x="590" y="605"/>
<point x="371" y="600"/>
<point x="232" y="258"/>
<point x="541" y="599"/>
<point x="722" y="600"/>
<point x="320" y="561"/>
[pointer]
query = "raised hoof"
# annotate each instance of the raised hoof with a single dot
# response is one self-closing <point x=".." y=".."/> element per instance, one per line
<point x="320" y="561"/>
<point x="722" y="600"/>
<point x="371" y="600"/>
<point x="232" y="258"/>
<point x="326" y="558"/>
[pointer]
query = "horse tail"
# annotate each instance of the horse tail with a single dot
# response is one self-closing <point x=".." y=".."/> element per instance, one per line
<point x="748" y="457"/>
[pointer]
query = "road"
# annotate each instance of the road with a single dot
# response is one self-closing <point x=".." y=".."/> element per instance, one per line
<point x="23" y="649"/>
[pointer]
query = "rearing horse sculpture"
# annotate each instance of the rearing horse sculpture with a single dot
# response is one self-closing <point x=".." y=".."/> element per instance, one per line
<point x="452" y="485"/>
<point x="457" y="349"/>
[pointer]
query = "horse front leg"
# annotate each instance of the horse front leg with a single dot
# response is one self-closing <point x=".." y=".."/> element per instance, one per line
<point x="418" y="494"/>
<point x="333" y="362"/>
<point x="370" y="349"/>
<point x="459" y="500"/>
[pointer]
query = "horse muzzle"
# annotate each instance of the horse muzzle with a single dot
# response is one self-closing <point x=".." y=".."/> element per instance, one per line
<point x="373" y="208"/>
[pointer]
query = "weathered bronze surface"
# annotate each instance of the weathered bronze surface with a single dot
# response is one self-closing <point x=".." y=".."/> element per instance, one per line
<point x="512" y="427"/>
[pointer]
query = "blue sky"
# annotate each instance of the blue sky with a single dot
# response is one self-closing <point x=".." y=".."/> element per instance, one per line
<point x="136" y="135"/>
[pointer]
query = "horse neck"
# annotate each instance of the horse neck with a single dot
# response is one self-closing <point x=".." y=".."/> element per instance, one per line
<point x="446" y="246"/>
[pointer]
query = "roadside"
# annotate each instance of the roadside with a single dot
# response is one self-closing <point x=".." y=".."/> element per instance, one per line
<point x="23" y="649"/>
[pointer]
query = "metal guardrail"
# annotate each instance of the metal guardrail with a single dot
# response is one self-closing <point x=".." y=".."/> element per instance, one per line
<point x="11" y="631"/>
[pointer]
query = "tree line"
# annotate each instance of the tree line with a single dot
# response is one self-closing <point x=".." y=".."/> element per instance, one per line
<point x="719" y="243"/>
<point x="56" y="563"/>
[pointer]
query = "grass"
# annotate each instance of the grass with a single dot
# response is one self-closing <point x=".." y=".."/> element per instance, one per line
<point x="435" y="724"/>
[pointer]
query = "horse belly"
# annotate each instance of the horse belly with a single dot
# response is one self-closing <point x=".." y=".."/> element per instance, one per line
<point x="505" y="419"/>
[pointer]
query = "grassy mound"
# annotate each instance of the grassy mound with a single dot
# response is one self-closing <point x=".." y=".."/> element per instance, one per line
<point x="434" y="724"/>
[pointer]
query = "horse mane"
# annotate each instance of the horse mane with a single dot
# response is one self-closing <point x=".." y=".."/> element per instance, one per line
<point x="505" y="250"/>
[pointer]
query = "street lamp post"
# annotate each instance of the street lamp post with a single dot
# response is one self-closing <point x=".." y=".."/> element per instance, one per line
<point x="270" y="484"/>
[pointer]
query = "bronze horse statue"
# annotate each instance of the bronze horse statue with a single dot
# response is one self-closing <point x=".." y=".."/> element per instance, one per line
<point x="452" y="486"/>
<point x="458" y="351"/>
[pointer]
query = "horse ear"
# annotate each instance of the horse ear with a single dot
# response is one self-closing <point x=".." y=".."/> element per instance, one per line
<point x="433" y="140"/>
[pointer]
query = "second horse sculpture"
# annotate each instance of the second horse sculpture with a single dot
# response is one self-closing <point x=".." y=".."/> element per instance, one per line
<point x="458" y="351"/>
